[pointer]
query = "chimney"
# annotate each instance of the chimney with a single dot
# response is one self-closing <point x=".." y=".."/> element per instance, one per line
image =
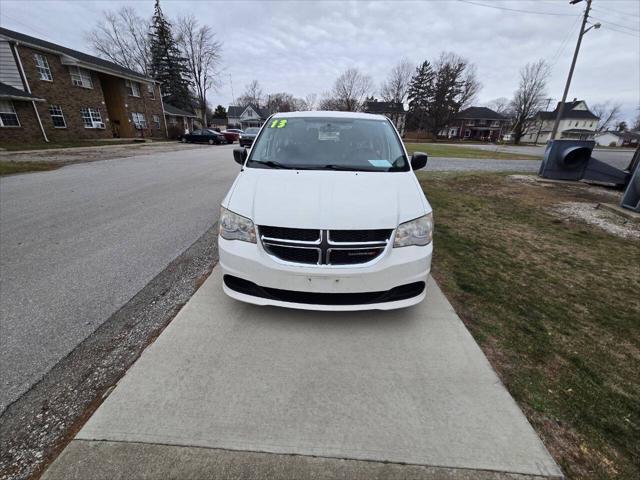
<point x="575" y="99"/>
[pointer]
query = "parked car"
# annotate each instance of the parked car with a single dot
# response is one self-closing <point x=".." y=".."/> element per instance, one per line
<point x="247" y="137"/>
<point x="326" y="214"/>
<point x="230" y="135"/>
<point x="206" y="135"/>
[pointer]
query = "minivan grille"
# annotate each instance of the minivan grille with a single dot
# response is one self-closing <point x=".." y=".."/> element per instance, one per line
<point x="324" y="247"/>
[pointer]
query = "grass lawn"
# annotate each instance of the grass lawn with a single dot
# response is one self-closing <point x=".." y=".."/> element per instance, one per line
<point x="436" y="150"/>
<point x="555" y="305"/>
<point x="8" y="168"/>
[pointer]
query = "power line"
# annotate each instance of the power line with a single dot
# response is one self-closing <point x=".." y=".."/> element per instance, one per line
<point x="564" y="43"/>
<point x="615" y="12"/>
<point x="615" y="24"/>
<point x="516" y="9"/>
<point x="622" y="31"/>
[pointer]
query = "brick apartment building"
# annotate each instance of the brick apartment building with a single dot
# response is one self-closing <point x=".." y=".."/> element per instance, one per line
<point x="50" y="93"/>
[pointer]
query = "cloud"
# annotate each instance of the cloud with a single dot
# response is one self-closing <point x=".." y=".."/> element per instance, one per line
<point x="301" y="47"/>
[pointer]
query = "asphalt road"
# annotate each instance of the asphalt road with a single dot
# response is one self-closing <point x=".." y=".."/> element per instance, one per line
<point x="79" y="242"/>
<point x="619" y="158"/>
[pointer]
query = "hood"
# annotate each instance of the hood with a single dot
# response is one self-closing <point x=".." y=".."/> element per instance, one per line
<point x="327" y="199"/>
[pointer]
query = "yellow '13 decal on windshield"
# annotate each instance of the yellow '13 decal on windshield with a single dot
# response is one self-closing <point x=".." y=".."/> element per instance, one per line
<point x="278" y="123"/>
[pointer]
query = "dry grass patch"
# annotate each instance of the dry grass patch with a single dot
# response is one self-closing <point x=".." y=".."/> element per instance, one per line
<point x="554" y="302"/>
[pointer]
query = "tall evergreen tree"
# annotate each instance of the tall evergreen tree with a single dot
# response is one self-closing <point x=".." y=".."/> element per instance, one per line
<point x="419" y="95"/>
<point x="168" y="66"/>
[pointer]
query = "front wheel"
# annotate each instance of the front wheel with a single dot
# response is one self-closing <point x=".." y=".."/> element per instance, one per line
<point x="210" y="141"/>
<point x="184" y="140"/>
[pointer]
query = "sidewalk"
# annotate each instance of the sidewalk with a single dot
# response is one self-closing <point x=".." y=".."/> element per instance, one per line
<point x="236" y="391"/>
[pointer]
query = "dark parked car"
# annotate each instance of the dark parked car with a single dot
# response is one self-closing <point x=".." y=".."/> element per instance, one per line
<point x="249" y="135"/>
<point x="205" y="135"/>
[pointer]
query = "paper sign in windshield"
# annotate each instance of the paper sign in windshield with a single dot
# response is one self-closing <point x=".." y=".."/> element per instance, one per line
<point x="380" y="163"/>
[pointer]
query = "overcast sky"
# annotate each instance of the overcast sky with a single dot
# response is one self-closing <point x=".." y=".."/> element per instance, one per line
<point x="301" y="47"/>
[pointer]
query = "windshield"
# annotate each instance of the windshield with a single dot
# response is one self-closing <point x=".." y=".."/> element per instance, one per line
<point x="252" y="131"/>
<point x="329" y="143"/>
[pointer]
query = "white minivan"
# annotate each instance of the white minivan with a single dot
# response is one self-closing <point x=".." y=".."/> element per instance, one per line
<point x="326" y="214"/>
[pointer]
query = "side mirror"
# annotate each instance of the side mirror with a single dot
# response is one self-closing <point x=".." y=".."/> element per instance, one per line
<point x="240" y="155"/>
<point x="418" y="160"/>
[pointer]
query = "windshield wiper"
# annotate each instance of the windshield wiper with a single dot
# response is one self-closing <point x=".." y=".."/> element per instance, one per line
<point x="333" y="166"/>
<point x="274" y="164"/>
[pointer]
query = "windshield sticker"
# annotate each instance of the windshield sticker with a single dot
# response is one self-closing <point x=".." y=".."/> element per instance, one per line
<point x="380" y="163"/>
<point x="330" y="136"/>
<point x="278" y="123"/>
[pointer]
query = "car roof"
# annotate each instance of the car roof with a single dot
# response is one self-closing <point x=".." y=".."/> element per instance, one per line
<point x="329" y="114"/>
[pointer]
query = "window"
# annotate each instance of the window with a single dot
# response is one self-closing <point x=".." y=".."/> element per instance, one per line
<point x="173" y="120"/>
<point x="139" y="120"/>
<point x="151" y="90"/>
<point x="133" y="88"/>
<point x="8" y="115"/>
<point x="89" y="116"/>
<point x="80" y="77"/>
<point x="577" y="123"/>
<point x="156" y="121"/>
<point x="57" y="116"/>
<point x="42" y="66"/>
<point x="467" y="133"/>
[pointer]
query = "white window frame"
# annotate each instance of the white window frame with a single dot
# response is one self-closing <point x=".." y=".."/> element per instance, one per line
<point x="467" y="133"/>
<point x="133" y="88"/>
<point x="56" y="111"/>
<point x="139" y="118"/>
<point x="7" y="108"/>
<point x="80" y="77"/>
<point x="151" y="90"/>
<point x="156" y="121"/>
<point x="173" y="121"/>
<point x="42" y="67"/>
<point x="92" y="114"/>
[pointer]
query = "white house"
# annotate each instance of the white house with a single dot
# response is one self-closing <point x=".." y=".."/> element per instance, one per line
<point x="617" y="139"/>
<point x="577" y="122"/>
<point x="249" y="116"/>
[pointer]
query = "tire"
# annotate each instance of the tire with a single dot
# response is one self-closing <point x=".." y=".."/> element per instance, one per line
<point x="184" y="140"/>
<point x="210" y="141"/>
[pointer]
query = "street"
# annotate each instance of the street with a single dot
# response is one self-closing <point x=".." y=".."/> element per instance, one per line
<point x="79" y="242"/>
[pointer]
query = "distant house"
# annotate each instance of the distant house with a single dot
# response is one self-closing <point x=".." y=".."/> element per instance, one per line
<point x="394" y="111"/>
<point x="618" y="139"/>
<point x="244" y="117"/>
<point x="218" y="122"/>
<point x="577" y="122"/>
<point x="49" y="92"/>
<point x="178" y="121"/>
<point x="477" y="123"/>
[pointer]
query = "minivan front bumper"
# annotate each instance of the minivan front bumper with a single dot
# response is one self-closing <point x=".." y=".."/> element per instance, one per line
<point x="394" y="280"/>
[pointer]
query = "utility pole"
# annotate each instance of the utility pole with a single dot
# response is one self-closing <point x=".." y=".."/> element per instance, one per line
<point x="542" y="121"/>
<point x="573" y="65"/>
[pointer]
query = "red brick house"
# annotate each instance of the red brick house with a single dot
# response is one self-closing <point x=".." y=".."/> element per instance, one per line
<point x="51" y="93"/>
<point x="477" y="123"/>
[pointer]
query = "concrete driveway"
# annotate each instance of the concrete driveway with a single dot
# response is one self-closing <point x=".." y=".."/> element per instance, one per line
<point x="226" y="380"/>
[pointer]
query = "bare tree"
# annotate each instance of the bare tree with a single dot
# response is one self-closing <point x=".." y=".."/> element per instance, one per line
<point x="608" y="113"/>
<point x="500" y="105"/>
<point x="396" y="86"/>
<point x="123" y="37"/>
<point x="310" y="101"/>
<point x="529" y="98"/>
<point x="252" y="94"/>
<point x="349" y="91"/>
<point x="202" y="51"/>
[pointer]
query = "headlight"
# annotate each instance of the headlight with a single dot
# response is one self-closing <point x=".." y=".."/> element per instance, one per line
<point x="236" y="227"/>
<point x="415" y="232"/>
<point x="239" y="136"/>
